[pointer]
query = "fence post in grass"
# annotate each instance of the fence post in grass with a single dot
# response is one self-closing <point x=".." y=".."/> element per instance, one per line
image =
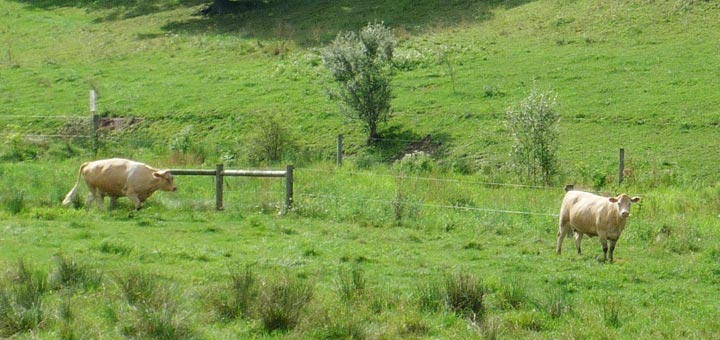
<point x="339" y="150"/>
<point x="95" y="121"/>
<point x="621" y="172"/>
<point x="289" y="187"/>
<point x="219" y="169"/>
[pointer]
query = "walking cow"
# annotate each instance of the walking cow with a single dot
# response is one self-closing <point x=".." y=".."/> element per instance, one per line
<point x="118" y="177"/>
<point x="584" y="213"/>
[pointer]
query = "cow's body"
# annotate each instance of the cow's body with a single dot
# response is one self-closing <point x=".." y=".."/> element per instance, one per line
<point x="118" y="177"/>
<point x="584" y="213"/>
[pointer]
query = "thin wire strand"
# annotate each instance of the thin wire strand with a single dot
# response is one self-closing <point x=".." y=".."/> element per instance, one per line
<point x="436" y="179"/>
<point x="432" y="205"/>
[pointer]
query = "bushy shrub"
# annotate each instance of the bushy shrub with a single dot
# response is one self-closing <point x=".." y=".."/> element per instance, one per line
<point x="361" y="64"/>
<point x="534" y="128"/>
<point x="270" y="140"/>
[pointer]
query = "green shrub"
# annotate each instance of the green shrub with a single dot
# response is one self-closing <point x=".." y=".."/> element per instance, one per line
<point x="534" y="128"/>
<point x="361" y="64"/>
<point x="270" y="141"/>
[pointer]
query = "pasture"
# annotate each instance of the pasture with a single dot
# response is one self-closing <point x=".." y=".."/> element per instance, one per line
<point x="453" y="245"/>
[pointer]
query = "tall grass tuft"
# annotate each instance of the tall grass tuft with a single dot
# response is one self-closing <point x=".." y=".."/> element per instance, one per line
<point x="239" y="298"/>
<point x="430" y="297"/>
<point x="154" y="314"/>
<point x="71" y="274"/>
<point x="282" y="303"/>
<point x="351" y="284"/>
<point x="464" y="295"/>
<point x="14" y="201"/>
<point x="513" y="294"/>
<point x="611" y="313"/>
<point x="21" y="305"/>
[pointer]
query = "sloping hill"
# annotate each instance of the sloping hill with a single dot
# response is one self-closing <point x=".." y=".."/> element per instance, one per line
<point x="632" y="74"/>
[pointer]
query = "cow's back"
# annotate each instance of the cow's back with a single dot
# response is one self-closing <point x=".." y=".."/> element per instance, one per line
<point x="108" y="175"/>
<point x="584" y="210"/>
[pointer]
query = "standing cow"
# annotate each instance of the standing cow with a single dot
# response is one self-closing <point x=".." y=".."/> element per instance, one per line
<point x="118" y="177"/>
<point x="587" y="214"/>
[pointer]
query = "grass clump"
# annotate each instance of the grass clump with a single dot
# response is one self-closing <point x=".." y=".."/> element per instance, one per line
<point x="21" y="301"/>
<point x="240" y="296"/>
<point x="71" y="274"/>
<point x="281" y="304"/>
<point x="351" y="283"/>
<point x="464" y="295"/>
<point x="154" y="313"/>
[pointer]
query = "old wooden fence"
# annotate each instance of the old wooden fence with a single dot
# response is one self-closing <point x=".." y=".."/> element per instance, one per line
<point x="220" y="173"/>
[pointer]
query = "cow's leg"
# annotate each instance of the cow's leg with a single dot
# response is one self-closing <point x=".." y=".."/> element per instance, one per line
<point x="135" y="199"/>
<point x="90" y="197"/>
<point x="612" y="250"/>
<point x="113" y="202"/>
<point x="101" y="202"/>
<point x="563" y="231"/>
<point x="578" y="242"/>
<point x="603" y="241"/>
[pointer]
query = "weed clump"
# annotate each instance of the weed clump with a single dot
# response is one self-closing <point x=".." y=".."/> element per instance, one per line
<point x="21" y="303"/>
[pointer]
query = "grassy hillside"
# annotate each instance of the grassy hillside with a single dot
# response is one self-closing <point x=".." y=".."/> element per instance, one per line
<point x="448" y="247"/>
<point x="628" y="74"/>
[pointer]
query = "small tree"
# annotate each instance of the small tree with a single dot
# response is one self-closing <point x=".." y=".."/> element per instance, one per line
<point x="361" y="64"/>
<point x="534" y="127"/>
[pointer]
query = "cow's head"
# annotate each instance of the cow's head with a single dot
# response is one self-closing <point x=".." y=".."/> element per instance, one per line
<point x="624" y="202"/>
<point x="165" y="180"/>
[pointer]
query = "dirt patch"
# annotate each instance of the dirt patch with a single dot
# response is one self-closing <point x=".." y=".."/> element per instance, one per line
<point x="113" y="124"/>
<point x="426" y="145"/>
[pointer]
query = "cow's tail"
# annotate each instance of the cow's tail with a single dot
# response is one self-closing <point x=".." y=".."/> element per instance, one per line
<point x="70" y="197"/>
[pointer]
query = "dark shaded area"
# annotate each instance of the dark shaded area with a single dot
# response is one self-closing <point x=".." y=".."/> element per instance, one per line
<point x="305" y="22"/>
<point x="397" y="141"/>
<point x="118" y="9"/>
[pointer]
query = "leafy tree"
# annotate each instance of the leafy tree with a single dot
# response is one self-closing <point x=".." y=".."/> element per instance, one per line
<point x="534" y="127"/>
<point x="361" y="64"/>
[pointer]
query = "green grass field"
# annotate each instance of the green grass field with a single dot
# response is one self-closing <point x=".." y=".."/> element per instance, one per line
<point x="458" y="247"/>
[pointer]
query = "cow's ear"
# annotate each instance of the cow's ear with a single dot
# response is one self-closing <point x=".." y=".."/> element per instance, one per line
<point x="157" y="174"/>
<point x="635" y="199"/>
<point x="613" y="199"/>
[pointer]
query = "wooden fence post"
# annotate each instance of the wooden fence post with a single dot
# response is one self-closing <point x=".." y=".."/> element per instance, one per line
<point x="339" y="150"/>
<point x="621" y="172"/>
<point x="219" y="168"/>
<point x="289" y="187"/>
<point x="95" y="121"/>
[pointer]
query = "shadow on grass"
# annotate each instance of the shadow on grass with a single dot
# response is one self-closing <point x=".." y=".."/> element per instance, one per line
<point x="306" y="23"/>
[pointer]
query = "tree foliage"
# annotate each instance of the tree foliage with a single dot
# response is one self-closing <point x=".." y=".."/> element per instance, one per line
<point x="534" y="127"/>
<point x="361" y="64"/>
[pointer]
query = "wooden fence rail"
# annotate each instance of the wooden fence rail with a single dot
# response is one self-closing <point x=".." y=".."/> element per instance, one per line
<point x="220" y="173"/>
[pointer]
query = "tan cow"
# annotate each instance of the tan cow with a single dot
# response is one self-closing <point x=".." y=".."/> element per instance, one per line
<point x="587" y="214"/>
<point x="118" y="177"/>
